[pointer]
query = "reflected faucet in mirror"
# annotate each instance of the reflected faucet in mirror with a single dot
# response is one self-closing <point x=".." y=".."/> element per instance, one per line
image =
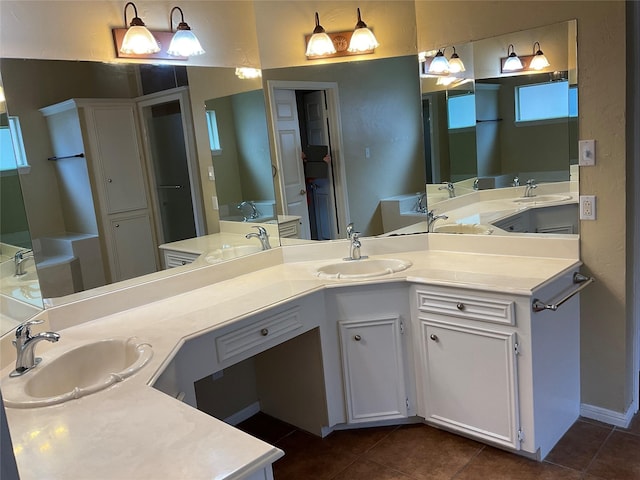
<point x="19" y="259"/>
<point x="262" y="235"/>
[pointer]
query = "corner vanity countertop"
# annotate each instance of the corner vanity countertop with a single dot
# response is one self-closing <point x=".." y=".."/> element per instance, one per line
<point x="131" y="430"/>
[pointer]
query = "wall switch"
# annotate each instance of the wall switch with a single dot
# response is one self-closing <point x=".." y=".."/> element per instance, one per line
<point x="586" y="153"/>
<point x="587" y="207"/>
<point x="212" y="175"/>
<point x="214" y="202"/>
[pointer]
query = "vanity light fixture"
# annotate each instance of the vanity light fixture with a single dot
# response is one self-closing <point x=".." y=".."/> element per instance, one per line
<point x="539" y="60"/>
<point x="184" y="42"/>
<point x="363" y="39"/>
<point x="320" y="44"/>
<point x="439" y="64"/>
<point x="455" y="63"/>
<point x="138" y="40"/>
<point x="512" y="62"/>
<point x="248" y="73"/>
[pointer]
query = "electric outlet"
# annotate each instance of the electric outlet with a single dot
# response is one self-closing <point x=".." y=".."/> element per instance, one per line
<point x="587" y="207"/>
<point x="586" y="153"/>
<point x="214" y="202"/>
<point x="212" y="175"/>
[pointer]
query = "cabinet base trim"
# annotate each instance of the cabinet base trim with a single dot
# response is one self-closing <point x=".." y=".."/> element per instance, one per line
<point x="619" y="419"/>
<point x="242" y="415"/>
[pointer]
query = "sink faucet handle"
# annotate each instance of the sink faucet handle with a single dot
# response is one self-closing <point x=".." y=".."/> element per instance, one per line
<point x="350" y="228"/>
<point x="24" y="329"/>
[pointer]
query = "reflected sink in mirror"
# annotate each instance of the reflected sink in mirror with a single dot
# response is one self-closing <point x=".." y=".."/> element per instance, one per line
<point x="476" y="228"/>
<point x="363" y="268"/>
<point x="76" y="373"/>
<point x="228" y="252"/>
<point x="540" y="199"/>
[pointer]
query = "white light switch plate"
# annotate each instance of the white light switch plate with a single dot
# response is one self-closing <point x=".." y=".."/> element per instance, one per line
<point x="212" y="175"/>
<point x="214" y="202"/>
<point x="586" y="153"/>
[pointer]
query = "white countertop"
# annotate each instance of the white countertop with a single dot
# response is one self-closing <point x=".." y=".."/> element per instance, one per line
<point x="131" y="430"/>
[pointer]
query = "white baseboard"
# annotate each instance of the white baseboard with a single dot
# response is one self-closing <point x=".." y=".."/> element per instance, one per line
<point x="243" y="414"/>
<point x="619" y="419"/>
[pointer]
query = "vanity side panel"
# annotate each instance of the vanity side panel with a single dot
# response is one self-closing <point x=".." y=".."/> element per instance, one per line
<point x="555" y="342"/>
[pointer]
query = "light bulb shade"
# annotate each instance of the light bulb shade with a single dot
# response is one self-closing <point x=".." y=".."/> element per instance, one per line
<point x="512" y="63"/>
<point x="139" y="41"/>
<point x="248" y="72"/>
<point x="455" y="64"/>
<point x="362" y="40"/>
<point x="539" y="61"/>
<point x="439" y="64"/>
<point x="185" y="44"/>
<point x="320" y="44"/>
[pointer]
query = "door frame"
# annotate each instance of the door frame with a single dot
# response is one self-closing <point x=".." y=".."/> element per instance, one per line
<point x="339" y="190"/>
<point x="181" y="95"/>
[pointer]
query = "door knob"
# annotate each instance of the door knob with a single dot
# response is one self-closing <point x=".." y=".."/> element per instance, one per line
<point x="303" y="192"/>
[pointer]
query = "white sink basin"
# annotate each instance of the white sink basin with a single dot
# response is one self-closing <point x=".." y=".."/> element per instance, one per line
<point x="19" y="280"/>
<point x="229" y="252"/>
<point x="476" y="228"/>
<point x="363" y="268"/>
<point x="542" y="199"/>
<point x="76" y="373"/>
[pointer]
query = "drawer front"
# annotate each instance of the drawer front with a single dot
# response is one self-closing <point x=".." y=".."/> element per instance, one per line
<point x="257" y="334"/>
<point x="289" y="229"/>
<point x="462" y="305"/>
<point x="177" y="259"/>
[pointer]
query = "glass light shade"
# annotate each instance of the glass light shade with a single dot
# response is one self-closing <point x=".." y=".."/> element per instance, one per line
<point x="320" y="44"/>
<point x="185" y="44"/>
<point x="512" y="63"/>
<point x="139" y="41"/>
<point x="455" y="64"/>
<point x="539" y="61"/>
<point x="439" y="64"/>
<point x="362" y="40"/>
<point x="446" y="81"/>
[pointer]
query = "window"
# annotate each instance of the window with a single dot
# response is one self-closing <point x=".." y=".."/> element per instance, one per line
<point x="12" y="154"/>
<point x="461" y="111"/>
<point x="546" y="101"/>
<point x="214" y="137"/>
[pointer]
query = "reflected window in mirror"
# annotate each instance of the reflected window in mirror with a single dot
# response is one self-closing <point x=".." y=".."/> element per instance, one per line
<point x="545" y="101"/>
<point x="12" y="154"/>
<point x="214" y="135"/>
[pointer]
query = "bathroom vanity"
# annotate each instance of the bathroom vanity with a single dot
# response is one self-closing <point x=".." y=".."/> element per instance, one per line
<point x="452" y="341"/>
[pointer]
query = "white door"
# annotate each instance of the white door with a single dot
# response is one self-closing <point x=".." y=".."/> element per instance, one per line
<point x="132" y="247"/>
<point x="290" y="156"/>
<point x="373" y="370"/>
<point x="470" y="380"/>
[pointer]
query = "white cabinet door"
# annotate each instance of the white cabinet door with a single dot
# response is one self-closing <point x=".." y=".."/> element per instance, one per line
<point x="373" y="369"/>
<point x="132" y="247"/>
<point x="470" y="380"/>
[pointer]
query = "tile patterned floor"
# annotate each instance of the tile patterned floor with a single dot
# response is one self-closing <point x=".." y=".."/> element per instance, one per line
<point x="590" y="451"/>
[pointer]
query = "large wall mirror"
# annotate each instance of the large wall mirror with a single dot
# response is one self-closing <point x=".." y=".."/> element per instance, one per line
<point x="373" y="154"/>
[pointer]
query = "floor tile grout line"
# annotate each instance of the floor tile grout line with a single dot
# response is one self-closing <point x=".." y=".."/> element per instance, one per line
<point x="586" y="470"/>
<point x="466" y="465"/>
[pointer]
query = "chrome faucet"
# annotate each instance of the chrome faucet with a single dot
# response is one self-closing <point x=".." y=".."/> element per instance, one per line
<point x="354" y="248"/>
<point x="350" y="228"/>
<point x="262" y="235"/>
<point x="19" y="258"/>
<point x="25" y="345"/>
<point x="253" y="213"/>
<point x="421" y="206"/>
<point x="516" y="181"/>
<point x="528" y="190"/>
<point x="449" y="187"/>
<point x="431" y="219"/>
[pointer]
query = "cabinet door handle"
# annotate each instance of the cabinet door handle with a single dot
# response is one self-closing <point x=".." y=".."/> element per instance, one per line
<point x="433" y="337"/>
<point x="117" y="225"/>
<point x="460" y="306"/>
<point x="264" y="332"/>
<point x="110" y="180"/>
<point x="357" y="338"/>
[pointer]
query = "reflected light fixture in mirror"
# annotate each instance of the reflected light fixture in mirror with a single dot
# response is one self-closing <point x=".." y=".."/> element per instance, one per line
<point x="455" y="63"/>
<point x="320" y="43"/>
<point x="184" y="42"/>
<point x="138" y="40"/>
<point x="539" y="60"/>
<point x="439" y="64"/>
<point x="512" y="62"/>
<point x="363" y="39"/>
<point x="248" y="73"/>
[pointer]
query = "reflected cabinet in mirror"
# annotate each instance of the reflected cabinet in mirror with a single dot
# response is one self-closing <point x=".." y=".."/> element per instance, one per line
<point x="501" y="144"/>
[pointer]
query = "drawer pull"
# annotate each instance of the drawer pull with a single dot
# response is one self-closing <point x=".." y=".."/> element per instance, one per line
<point x="460" y="306"/>
<point x="357" y="338"/>
<point x="264" y="332"/>
<point x="434" y="337"/>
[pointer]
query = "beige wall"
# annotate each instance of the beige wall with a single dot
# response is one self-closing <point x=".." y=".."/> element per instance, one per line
<point x="606" y="333"/>
<point x="606" y="342"/>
